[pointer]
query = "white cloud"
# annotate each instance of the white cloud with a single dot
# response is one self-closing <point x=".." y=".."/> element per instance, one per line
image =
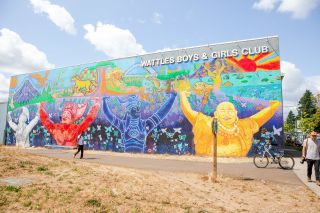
<point x="5" y="82"/>
<point x="265" y="4"/>
<point x="315" y="81"/>
<point x="4" y="88"/>
<point x="17" y="57"/>
<point x="295" y="84"/>
<point x="57" y="14"/>
<point x="165" y="49"/>
<point x="300" y="9"/>
<point x="113" y="41"/>
<point x="157" y="18"/>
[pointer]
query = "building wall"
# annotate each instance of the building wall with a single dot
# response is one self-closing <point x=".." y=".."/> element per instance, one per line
<point x="156" y="103"/>
<point x="3" y="116"/>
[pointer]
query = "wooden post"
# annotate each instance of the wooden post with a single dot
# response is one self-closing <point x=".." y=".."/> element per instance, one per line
<point x="214" y="150"/>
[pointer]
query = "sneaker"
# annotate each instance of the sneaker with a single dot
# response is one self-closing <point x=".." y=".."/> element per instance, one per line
<point x="309" y="179"/>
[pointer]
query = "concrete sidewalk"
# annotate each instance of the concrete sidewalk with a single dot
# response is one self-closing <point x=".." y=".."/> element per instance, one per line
<point x="301" y="171"/>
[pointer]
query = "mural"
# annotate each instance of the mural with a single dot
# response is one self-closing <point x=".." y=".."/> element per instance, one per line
<point x="123" y="106"/>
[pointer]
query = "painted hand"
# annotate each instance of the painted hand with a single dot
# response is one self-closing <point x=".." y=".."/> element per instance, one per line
<point x="186" y="93"/>
<point x="38" y="108"/>
<point x="96" y="100"/>
<point x="274" y="103"/>
<point x="106" y="99"/>
<point x="43" y="104"/>
<point x="9" y="116"/>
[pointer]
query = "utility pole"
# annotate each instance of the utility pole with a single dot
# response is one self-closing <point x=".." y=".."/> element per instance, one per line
<point x="214" y="150"/>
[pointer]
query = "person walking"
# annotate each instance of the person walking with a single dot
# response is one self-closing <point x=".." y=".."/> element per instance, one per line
<point x="80" y="146"/>
<point x="310" y="153"/>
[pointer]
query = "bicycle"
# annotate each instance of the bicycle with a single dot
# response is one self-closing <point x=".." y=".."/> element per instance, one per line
<point x="261" y="159"/>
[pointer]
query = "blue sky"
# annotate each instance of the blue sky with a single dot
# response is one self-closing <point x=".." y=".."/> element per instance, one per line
<point x="63" y="33"/>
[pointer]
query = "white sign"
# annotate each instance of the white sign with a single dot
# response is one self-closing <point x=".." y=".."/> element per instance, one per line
<point x="204" y="56"/>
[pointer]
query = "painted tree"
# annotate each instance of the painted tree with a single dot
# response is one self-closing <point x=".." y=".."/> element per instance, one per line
<point x="307" y="105"/>
<point x="290" y="122"/>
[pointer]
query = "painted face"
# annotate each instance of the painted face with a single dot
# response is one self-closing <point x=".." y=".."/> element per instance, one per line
<point x="66" y="117"/>
<point x="23" y="118"/>
<point x="135" y="111"/>
<point x="199" y="88"/>
<point x="226" y="113"/>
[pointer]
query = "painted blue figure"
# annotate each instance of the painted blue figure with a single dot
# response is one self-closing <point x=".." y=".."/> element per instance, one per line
<point x="134" y="130"/>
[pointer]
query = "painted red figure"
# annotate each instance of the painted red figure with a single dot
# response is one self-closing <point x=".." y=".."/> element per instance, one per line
<point x="66" y="132"/>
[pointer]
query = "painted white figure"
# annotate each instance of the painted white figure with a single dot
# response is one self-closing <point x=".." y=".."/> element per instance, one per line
<point x="22" y="129"/>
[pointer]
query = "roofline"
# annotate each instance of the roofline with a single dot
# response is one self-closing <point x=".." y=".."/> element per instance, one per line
<point x="140" y="55"/>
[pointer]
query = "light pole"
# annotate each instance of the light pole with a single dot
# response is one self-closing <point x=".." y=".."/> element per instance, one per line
<point x="214" y="150"/>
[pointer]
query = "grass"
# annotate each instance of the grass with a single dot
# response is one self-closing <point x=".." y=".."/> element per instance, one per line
<point x="24" y="164"/>
<point x="3" y="200"/>
<point x="166" y="202"/>
<point x="42" y="168"/>
<point x="11" y="168"/>
<point x="93" y="202"/>
<point x="27" y="203"/>
<point x="12" y="188"/>
<point x="86" y="187"/>
<point x="49" y="173"/>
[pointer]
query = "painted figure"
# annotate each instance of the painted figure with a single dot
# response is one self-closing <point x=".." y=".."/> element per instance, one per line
<point x="134" y="129"/>
<point x="234" y="135"/>
<point x="66" y="132"/>
<point x="22" y="129"/>
<point x="216" y="74"/>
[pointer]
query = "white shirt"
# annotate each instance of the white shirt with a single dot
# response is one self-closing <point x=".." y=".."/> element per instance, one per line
<point x="313" y="149"/>
<point x="80" y="140"/>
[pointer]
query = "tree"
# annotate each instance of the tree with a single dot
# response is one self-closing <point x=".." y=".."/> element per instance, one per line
<point x="307" y="125"/>
<point x="286" y="127"/>
<point x="307" y="106"/>
<point x="290" y="122"/>
<point x="317" y="120"/>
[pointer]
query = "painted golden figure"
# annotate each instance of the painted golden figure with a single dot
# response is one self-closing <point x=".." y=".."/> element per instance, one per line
<point x="234" y="136"/>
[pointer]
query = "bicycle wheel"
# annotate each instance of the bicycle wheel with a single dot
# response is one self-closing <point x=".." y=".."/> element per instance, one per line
<point x="260" y="161"/>
<point x="286" y="162"/>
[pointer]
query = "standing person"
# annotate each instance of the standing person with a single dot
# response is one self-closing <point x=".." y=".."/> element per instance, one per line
<point x="80" y="146"/>
<point x="310" y="153"/>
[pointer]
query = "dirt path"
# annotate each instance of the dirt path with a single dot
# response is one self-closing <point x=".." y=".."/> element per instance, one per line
<point x="243" y="170"/>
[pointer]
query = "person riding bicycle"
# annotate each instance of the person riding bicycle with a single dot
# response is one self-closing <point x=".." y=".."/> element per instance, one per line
<point x="267" y="151"/>
<point x="268" y="140"/>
